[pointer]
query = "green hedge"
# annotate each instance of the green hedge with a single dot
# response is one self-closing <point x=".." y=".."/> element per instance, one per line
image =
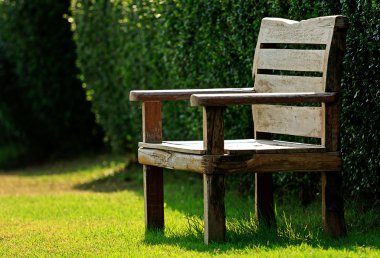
<point x="361" y="99"/>
<point x="43" y="109"/>
<point x="148" y="45"/>
<point x="125" y="45"/>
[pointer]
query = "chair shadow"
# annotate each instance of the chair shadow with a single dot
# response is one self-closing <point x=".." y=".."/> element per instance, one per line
<point x="119" y="180"/>
<point x="131" y="178"/>
<point x="258" y="239"/>
<point x="67" y="166"/>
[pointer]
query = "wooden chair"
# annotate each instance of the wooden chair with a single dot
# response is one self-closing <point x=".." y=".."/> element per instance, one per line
<point x="295" y="62"/>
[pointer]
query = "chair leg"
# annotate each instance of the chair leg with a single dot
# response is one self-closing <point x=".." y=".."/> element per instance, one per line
<point x="153" y="197"/>
<point x="332" y="204"/>
<point x="264" y="203"/>
<point x="214" y="211"/>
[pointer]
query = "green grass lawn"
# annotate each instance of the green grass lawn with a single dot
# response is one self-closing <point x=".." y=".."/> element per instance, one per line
<point x="94" y="207"/>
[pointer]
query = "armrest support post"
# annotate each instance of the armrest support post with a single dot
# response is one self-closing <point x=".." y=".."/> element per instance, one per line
<point x="213" y="130"/>
<point x="152" y="121"/>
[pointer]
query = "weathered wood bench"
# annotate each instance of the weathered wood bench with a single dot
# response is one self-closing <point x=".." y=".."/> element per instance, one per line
<point x="295" y="62"/>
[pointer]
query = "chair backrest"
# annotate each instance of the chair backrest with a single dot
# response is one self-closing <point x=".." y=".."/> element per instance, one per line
<point x="294" y="56"/>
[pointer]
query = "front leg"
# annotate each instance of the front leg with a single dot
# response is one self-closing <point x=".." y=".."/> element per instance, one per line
<point x="213" y="184"/>
<point x="153" y="176"/>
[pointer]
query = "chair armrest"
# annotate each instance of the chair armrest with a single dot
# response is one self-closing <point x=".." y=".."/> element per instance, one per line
<point x="261" y="98"/>
<point x="182" y="94"/>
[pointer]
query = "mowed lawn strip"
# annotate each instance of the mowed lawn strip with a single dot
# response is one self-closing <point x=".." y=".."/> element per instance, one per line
<point x="94" y="207"/>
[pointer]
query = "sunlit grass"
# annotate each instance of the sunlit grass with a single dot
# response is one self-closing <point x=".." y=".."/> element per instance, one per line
<point x="94" y="207"/>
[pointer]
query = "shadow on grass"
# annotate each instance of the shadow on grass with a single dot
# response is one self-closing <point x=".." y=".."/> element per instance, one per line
<point x="87" y="163"/>
<point x="119" y="180"/>
<point x="177" y="196"/>
<point x="262" y="239"/>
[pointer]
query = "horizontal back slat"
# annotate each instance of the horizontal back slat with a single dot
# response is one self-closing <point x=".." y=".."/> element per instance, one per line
<point x="268" y="83"/>
<point x="292" y="120"/>
<point x="291" y="59"/>
<point x="312" y="31"/>
<point x="277" y="34"/>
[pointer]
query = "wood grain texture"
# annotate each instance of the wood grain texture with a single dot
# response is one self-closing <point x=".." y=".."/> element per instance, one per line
<point x="216" y="100"/>
<point x="243" y="146"/>
<point x="335" y="54"/>
<point x="331" y="126"/>
<point x="232" y="164"/>
<point x="332" y="200"/>
<point x="189" y="147"/>
<point x="214" y="210"/>
<point x="291" y="120"/>
<point x="213" y="185"/>
<point x="294" y="34"/>
<point x="213" y="130"/>
<point x="291" y="59"/>
<point x="285" y="162"/>
<point x="331" y="112"/>
<point x="153" y="197"/>
<point x="332" y="204"/>
<point x="264" y="201"/>
<point x="182" y="94"/>
<point x="171" y="160"/>
<point x="152" y="121"/>
<point x="153" y="176"/>
<point x="267" y="83"/>
<point x="311" y="31"/>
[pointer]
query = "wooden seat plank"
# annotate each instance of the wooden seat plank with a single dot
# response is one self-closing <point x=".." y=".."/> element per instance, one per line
<point x="231" y="164"/>
<point x="233" y="147"/>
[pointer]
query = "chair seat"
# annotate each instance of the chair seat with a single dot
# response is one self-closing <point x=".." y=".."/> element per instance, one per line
<point x="235" y="147"/>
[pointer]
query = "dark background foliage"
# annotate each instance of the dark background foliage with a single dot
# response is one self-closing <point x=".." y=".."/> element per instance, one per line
<point x="361" y="99"/>
<point x="43" y="109"/>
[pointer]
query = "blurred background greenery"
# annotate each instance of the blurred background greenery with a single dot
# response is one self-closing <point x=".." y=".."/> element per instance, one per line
<point x="43" y="110"/>
<point x="50" y="108"/>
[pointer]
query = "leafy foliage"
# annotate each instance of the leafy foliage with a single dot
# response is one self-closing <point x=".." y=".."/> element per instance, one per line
<point x="361" y="98"/>
<point x="125" y="45"/>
